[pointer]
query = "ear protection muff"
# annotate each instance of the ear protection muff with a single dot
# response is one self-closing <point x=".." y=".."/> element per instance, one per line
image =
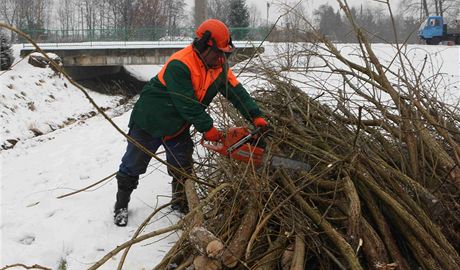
<point x="227" y="54"/>
<point x="202" y="43"/>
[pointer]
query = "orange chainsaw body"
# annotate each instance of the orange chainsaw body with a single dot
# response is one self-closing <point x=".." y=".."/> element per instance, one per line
<point x="246" y="152"/>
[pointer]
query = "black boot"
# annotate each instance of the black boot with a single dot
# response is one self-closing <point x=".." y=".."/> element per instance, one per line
<point x="123" y="198"/>
<point x="126" y="185"/>
<point x="120" y="216"/>
<point x="179" y="199"/>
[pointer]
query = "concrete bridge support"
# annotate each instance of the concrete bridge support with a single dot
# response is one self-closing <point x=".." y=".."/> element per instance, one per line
<point x="89" y="62"/>
<point x="89" y="72"/>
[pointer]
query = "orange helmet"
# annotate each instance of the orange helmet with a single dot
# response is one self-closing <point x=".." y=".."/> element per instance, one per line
<point x="219" y="33"/>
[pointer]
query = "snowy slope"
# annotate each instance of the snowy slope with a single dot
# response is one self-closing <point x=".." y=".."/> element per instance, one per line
<point x="36" y="101"/>
<point x="38" y="228"/>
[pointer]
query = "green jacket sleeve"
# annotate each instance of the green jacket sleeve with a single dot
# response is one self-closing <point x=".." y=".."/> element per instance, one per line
<point x="242" y="101"/>
<point x="179" y="85"/>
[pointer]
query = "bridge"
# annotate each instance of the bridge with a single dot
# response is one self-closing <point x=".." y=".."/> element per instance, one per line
<point x="90" y="59"/>
<point x="124" y="53"/>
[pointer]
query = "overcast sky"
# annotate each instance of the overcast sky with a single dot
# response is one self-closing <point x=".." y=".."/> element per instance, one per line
<point x="262" y="4"/>
<point x="313" y="4"/>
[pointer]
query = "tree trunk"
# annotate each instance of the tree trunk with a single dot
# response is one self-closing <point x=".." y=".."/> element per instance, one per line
<point x="342" y="245"/>
<point x="299" y="254"/>
<point x="206" y="242"/>
<point x="205" y="263"/>
<point x="237" y="246"/>
<point x="193" y="202"/>
<point x="373" y="247"/>
<point x="273" y="254"/>
<point x="425" y="8"/>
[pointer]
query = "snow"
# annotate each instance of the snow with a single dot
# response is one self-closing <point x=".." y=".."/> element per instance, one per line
<point x="37" y="100"/>
<point x="442" y="61"/>
<point x="38" y="228"/>
<point x="143" y="72"/>
<point x="126" y="45"/>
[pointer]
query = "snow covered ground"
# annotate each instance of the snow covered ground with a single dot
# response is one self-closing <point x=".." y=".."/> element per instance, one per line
<point x="36" y="100"/>
<point x="38" y="228"/>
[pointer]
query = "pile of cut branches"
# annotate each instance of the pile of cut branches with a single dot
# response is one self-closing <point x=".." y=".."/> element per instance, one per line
<point x="383" y="189"/>
<point x="382" y="193"/>
<point x="369" y="202"/>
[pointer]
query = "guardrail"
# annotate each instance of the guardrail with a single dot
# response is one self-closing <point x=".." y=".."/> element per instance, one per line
<point x="137" y="34"/>
<point x="127" y="45"/>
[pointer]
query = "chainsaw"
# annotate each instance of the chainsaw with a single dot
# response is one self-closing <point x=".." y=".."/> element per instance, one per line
<point x="243" y="145"/>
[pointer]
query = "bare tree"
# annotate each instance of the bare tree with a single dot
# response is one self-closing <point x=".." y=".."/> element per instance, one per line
<point x="176" y="11"/>
<point x="424" y="8"/>
<point x="107" y="14"/>
<point x="122" y="12"/>
<point x="25" y="14"/>
<point x="89" y="13"/>
<point x="66" y="15"/>
<point x="150" y="13"/>
<point x="219" y="9"/>
<point x="255" y="18"/>
<point x="8" y="11"/>
<point x="374" y="20"/>
<point x="32" y="14"/>
<point x="100" y="17"/>
<point x="329" y="22"/>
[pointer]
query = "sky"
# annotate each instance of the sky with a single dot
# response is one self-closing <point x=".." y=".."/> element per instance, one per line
<point x="313" y="4"/>
<point x="262" y="5"/>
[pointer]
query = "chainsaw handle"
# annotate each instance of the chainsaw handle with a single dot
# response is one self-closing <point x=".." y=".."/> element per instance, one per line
<point x="226" y="146"/>
<point x="219" y="147"/>
<point x="244" y="140"/>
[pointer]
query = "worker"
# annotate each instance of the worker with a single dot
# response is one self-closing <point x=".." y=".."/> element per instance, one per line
<point x="172" y="101"/>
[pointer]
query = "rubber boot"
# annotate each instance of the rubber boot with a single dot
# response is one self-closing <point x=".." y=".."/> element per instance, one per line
<point x="123" y="198"/>
<point x="179" y="199"/>
<point x="126" y="185"/>
<point x="120" y="212"/>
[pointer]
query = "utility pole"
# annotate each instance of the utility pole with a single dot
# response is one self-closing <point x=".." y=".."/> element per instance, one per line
<point x="268" y="11"/>
<point x="201" y="11"/>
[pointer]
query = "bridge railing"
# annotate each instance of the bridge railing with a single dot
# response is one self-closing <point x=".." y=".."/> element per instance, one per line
<point x="137" y="34"/>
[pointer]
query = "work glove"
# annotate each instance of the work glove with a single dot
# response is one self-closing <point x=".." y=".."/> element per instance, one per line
<point x="260" y="122"/>
<point x="213" y="135"/>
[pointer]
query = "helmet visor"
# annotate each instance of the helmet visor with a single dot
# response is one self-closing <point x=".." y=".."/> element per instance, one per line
<point x="228" y="48"/>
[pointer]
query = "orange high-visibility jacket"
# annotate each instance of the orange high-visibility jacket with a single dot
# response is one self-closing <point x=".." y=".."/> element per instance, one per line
<point x="202" y="78"/>
<point x="179" y="95"/>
